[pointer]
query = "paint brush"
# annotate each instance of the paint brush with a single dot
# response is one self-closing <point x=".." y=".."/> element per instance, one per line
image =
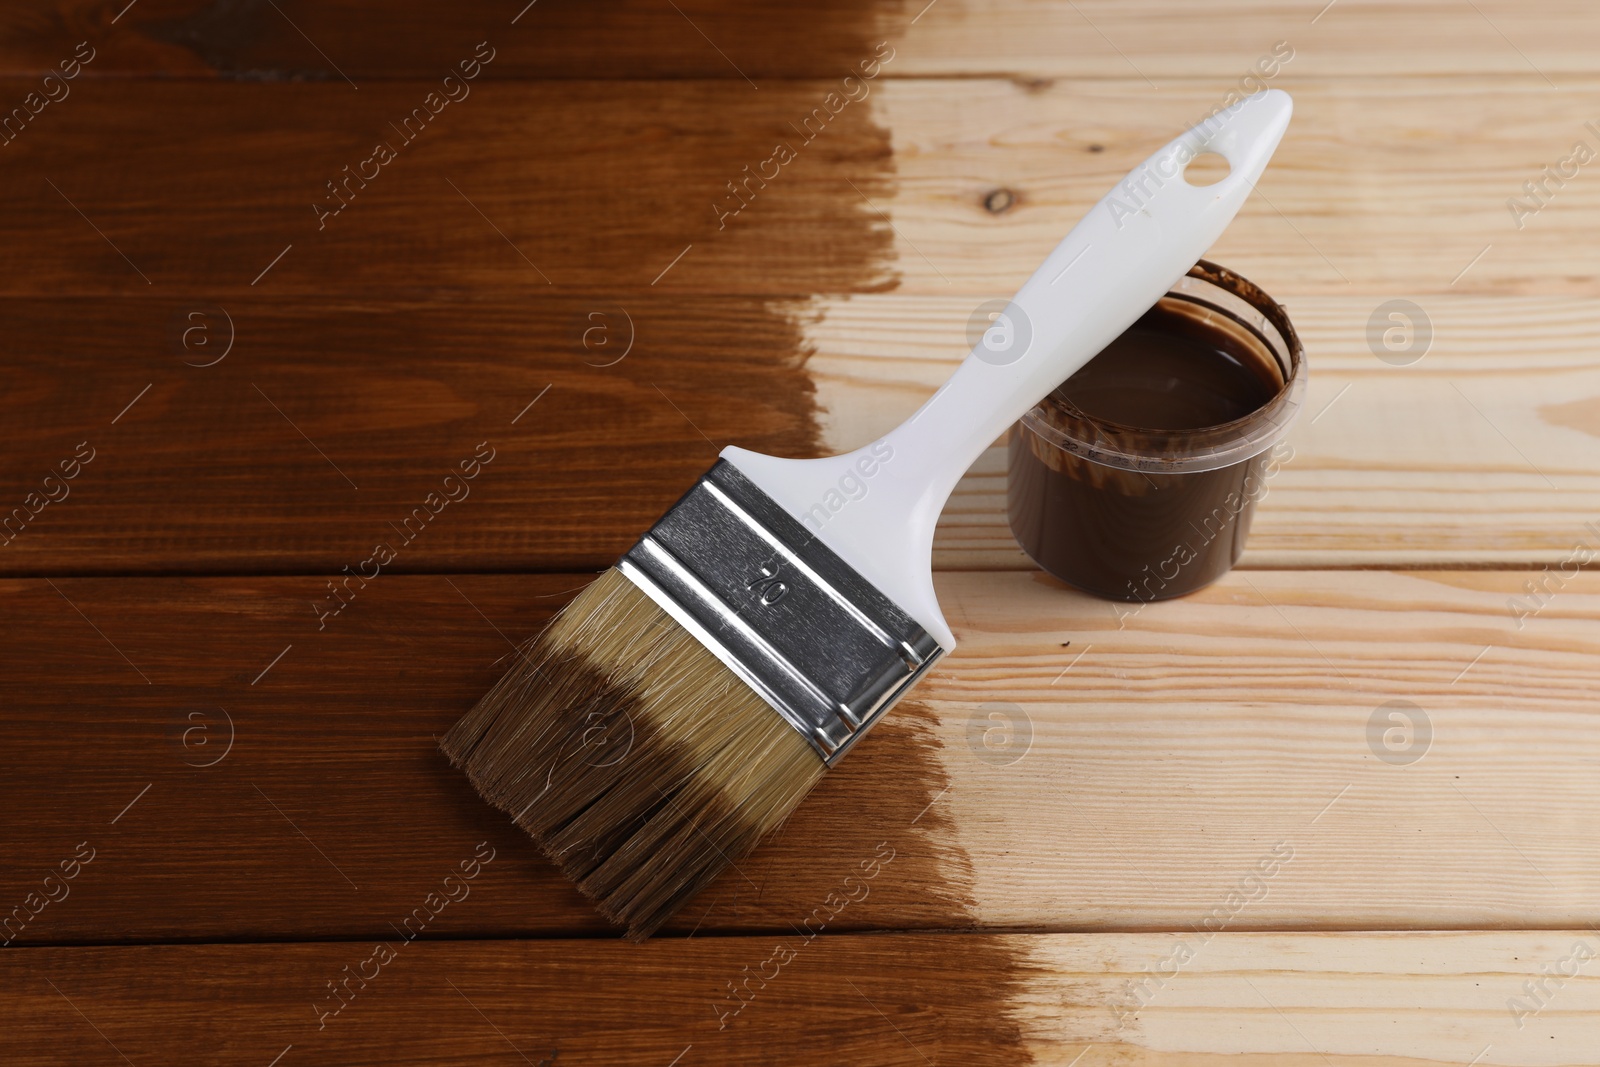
<point x="681" y="706"/>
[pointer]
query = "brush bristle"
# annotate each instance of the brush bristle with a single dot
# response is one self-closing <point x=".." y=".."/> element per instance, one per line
<point x="639" y="763"/>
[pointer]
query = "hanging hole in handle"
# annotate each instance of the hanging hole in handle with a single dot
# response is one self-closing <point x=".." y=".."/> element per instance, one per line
<point x="1208" y="168"/>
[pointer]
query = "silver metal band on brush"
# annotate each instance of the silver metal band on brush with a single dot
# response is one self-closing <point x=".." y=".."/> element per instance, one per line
<point x="780" y="609"/>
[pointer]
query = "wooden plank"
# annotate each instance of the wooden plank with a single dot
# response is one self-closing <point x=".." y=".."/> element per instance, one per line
<point x="1482" y="451"/>
<point x="327" y="394"/>
<point x="1172" y="747"/>
<point x="201" y="188"/>
<point x="556" y="168"/>
<point x="1369" y="1000"/>
<point x="1497" y="472"/>
<point x="562" y="39"/>
<point x="1161" y="41"/>
<point x="716" y="39"/>
<point x="1338" y="211"/>
<point x="330" y="423"/>
<point x="1138" y="767"/>
<point x="242" y="767"/>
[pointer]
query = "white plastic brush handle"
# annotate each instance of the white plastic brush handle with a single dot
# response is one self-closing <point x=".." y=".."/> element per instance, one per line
<point x="877" y="506"/>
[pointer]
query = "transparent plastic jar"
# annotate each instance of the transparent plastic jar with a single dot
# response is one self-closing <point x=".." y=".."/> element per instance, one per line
<point x="1133" y="513"/>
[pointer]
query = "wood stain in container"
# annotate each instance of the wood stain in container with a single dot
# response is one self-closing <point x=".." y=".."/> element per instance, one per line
<point x="1137" y="478"/>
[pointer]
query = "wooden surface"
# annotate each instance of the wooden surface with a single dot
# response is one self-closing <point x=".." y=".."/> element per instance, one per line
<point x="444" y="333"/>
<point x="1362" y="1000"/>
<point x="333" y="777"/>
<point x="1334" y="809"/>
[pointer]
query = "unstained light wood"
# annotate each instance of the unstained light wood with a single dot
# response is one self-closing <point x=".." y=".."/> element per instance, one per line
<point x="1385" y="188"/>
<point x="1482" y="450"/>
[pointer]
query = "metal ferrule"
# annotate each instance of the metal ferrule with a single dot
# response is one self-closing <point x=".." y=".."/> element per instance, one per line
<point x="801" y="627"/>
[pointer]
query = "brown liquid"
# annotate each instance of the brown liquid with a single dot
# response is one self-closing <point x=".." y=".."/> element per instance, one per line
<point x="1169" y="372"/>
<point x="1138" y="535"/>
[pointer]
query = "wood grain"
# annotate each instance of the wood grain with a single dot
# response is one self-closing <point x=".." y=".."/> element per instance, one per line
<point x="549" y="39"/>
<point x="1483" y="452"/>
<point x="1161" y="41"/>
<point x="1193" y="810"/>
<point x="1135" y="771"/>
<point x="1374" y="483"/>
<point x="194" y="188"/>
<point x="244" y="770"/>
<point x="1499" y="471"/>
<point x="1029" y="39"/>
<point x="1302" y="1000"/>
<point x="1338" y="211"/>
<point x="1424" y="757"/>
<point x="330" y="422"/>
<point x="1480" y="452"/>
<point x="1330" y="216"/>
<point x="351" y="410"/>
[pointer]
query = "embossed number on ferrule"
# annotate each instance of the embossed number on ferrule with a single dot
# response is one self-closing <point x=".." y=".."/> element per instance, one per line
<point x="769" y="588"/>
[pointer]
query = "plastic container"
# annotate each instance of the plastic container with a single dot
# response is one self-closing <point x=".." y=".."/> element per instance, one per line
<point x="1130" y="508"/>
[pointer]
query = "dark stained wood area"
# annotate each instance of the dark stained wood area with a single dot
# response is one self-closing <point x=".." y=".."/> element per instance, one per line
<point x="195" y="189"/>
<point x="242" y="766"/>
<point x="303" y="40"/>
<point x="331" y="421"/>
<point x="276" y="293"/>
<point x="896" y="1000"/>
<point x="259" y="394"/>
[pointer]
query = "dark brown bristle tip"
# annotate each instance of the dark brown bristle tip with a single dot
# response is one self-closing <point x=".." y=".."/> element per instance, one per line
<point x="638" y="762"/>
